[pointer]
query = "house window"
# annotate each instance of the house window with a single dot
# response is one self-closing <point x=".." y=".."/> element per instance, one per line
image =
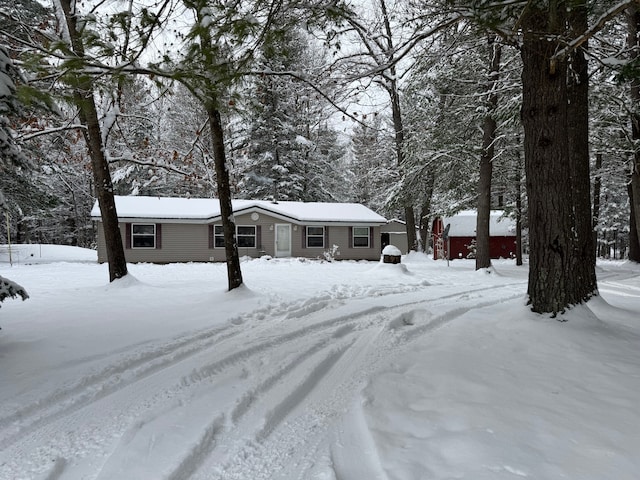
<point x="143" y="235"/>
<point x="315" y="237"/>
<point x="218" y="236"/>
<point x="245" y="236"/>
<point x="361" y="237"/>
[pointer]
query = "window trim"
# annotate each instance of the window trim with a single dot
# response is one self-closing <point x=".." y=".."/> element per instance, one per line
<point x="220" y="235"/>
<point x="216" y="236"/>
<point x="308" y="235"/>
<point x="354" y="236"/>
<point x="138" y="235"/>
<point x="254" y="236"/>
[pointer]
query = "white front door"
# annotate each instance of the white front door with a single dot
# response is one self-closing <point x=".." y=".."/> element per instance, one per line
<point x="283" y="240"/>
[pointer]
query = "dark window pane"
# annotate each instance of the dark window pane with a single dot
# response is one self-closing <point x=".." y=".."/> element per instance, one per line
<point x="144" y="241"/>
<point x="246" y="242"/>
<point x="143" y="229"/>
<point x="315" y="231"/>
<point x="244" y="230"/>
<point x="361" y="241"/>
<point x="315" y="241"/>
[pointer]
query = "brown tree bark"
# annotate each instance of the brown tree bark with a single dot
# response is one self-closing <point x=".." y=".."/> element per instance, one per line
<point x="597" y="184"/>
<point x="518" y="182"/>
<point x="425" y="213"/>
<point x="483" y="254"/>
<point x="234" y="274"/>
<point x="83" y="97"/>
<point x="207" y="93"/>
<point x="552" y="284"/>
<point x="634" y="238"/>
<point x="633" y="43"/>
<point x="583" y="257"/>
<point x="396" y="113"/>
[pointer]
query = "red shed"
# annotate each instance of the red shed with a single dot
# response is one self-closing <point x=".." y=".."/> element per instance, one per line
<point x="457" y="235"/>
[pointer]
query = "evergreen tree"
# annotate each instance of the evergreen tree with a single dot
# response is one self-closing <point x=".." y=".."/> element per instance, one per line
<point x="373" y="166"/>
<point x="290" y="149"/>
<point x="21" y="195"/>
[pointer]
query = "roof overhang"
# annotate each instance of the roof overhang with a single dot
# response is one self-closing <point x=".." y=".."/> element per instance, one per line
<point x="200" y="220"/>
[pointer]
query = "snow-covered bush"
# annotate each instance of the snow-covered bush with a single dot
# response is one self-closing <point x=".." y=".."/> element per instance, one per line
<point x="472" y="249"/>
<point x="331" y="253"/>
<point x="11" y="289"/>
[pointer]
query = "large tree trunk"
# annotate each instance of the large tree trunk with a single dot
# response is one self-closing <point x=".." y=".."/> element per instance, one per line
<point x="399" y="144"/>
<point x="396" y="113"/>
<point x="425" y="213"/>
<point x="234" y="274"/>
<point x="583" y="258"/>
<point x="483" y="253"/>
<point x="634" y="238"/>
<point x="206" y="93"/>
<point x="553" y="286"/>
<point x="633" y="43"/>
<point x="597" y="185"/>
<point x="518" y="182"/>
<point x="83" y="97"/>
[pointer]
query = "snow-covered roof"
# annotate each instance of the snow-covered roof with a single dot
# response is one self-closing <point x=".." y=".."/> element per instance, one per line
<point x="208" y="209"/>
<point x="463" y="224"/>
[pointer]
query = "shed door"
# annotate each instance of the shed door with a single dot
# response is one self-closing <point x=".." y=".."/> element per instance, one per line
<point x="283" y="240"/>
<point x="385" y="240"/>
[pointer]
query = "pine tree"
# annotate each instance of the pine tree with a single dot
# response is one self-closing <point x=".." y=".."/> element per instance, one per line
<point x="288" y="140"/>
<point x="373" y="166"/>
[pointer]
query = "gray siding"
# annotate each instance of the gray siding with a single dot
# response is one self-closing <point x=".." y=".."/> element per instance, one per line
<point x="397" y="235"/>
<point x="186" y="242"/>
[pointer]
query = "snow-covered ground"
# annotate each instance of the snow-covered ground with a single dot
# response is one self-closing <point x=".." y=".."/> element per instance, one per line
<point x="313" y="371"/>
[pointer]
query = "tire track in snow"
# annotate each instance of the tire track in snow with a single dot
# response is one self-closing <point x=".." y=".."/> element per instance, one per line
<point x="619" y="288"/>
<point x="213" y="342"/>
<point x="329" y="363"/>
<point x="199" y="452"/>
<point x="107" y="381"/>
<point x="329" y="371"/>
<point x="330" y="386"/>
<point x="248" y="399"/>
<point x="277" y="415"/>
<point x="36" y="420"/>
<point x="128" y="370"/>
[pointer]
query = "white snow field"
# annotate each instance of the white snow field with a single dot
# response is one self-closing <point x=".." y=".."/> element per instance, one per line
<point x="313" y="371"/>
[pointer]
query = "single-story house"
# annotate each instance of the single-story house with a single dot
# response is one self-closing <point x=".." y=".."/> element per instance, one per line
<point x="164" y="230"/>
<point x="455" y="236"/>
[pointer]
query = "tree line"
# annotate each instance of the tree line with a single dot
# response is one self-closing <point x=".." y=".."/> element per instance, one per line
<point x="412" y="108"/>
